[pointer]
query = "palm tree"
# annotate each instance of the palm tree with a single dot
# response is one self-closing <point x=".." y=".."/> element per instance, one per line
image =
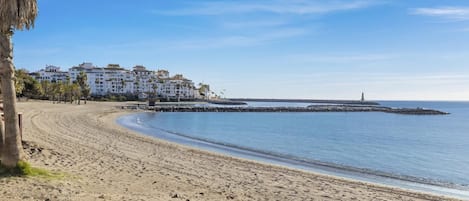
<point x="57" y="91"/>
<point x="75" y="93"/>
<point x="14" y="15"/>
<point x="2" y="131"/>
<point x="61" y="86"/>
<point x="67" y="91"/>
<point x="82" y="80"/>
<point x="152" y="93"/>
<point x="204" y="90"/>
<point x="47" y="89"/>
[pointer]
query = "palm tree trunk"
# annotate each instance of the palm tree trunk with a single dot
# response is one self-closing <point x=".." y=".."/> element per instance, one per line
<point x="12" y="148"/>
<point x="2" y="134"/>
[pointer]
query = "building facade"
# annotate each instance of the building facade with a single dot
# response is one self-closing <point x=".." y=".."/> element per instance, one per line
<point x="115" y="80"/>
<point x="50" y="73"/>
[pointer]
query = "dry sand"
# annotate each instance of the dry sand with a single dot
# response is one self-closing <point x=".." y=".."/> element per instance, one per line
<point x="104" y="161"/>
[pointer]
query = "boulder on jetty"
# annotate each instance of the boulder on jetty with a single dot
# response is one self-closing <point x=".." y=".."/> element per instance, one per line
<point x="370" y="108"/>
<point x="312" y="108"/>
<point x="226" y="102"/>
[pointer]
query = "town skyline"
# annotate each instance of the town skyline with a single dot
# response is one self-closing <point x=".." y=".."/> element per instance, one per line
<point x="391" y="50"/>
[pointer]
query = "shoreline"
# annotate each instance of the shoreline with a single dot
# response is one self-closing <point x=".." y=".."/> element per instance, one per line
<point x="423" y="185"/>
<point x="110" y="162"/>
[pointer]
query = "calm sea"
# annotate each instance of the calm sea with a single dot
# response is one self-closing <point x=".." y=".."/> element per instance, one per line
<point x="427" y="150"/>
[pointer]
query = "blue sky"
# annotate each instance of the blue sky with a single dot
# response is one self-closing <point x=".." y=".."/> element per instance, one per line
<point x="390" y="49"/>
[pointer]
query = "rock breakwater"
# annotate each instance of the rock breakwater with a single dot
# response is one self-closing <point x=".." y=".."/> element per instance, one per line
<point x="312" y="108"/>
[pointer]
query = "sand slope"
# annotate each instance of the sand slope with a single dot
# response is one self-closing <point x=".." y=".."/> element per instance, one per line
<point x="107" y="162"/>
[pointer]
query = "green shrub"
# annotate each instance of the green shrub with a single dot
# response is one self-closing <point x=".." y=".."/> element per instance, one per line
<point x="23" y="168"/>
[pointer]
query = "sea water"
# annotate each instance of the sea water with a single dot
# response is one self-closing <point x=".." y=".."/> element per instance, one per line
<point x="417" y="148"/>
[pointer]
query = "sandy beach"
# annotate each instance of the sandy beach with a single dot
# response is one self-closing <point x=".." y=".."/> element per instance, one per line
<point x="104" y="161"/>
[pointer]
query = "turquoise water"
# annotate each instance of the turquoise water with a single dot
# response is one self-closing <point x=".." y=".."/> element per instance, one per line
<point x="423" y="149"/>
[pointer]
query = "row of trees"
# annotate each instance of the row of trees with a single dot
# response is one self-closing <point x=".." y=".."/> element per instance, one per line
<point x="67" y="91"/>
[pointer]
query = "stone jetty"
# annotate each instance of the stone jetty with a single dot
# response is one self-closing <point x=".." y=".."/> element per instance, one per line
<point x="312" y="108"/>
<point x="371" y="108"/>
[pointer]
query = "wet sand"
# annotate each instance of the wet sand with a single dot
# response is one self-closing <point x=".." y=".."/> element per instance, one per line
<point x="104" y="161"/>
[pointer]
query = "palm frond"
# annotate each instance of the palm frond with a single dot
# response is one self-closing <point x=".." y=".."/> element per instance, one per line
<point x="17" y="14"/>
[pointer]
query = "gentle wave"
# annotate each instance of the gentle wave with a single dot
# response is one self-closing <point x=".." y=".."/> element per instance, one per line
<point x="318" y="164"/>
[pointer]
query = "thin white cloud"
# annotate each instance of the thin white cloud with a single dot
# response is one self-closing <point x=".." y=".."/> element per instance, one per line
<point x="197" y="42"/>
<point x="277" y="7"/>
<point x="239" y="40"/>
<point x="452" y="13"/>
<point x="254" y="24"/>
<point x="312" y="58"/>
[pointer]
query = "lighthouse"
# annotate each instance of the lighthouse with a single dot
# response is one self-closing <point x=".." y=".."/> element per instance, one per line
<point x="363" y="97"/>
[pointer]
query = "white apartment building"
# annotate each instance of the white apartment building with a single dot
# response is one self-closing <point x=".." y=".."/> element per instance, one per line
<point x="177" y="87"/>
<point x="117" y="80"/>
<point x="51" y="73"/>
<point x="94" y="75"/>
<point x="114" y="79"/>
<point x="145" y="81"/>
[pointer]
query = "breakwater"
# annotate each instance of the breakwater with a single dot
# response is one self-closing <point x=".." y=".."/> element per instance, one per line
<point x="312" y="108"/>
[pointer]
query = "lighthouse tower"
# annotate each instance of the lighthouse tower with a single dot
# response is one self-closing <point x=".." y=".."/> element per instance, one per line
<point x="363" y="97"/>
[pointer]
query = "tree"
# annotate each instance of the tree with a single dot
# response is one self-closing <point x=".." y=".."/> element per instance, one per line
<point x="2" y="133"/>
<point x="75" y="92"/>
<point x="58" y="89"/>
<point x="68" y="92"/>
<point x="19" y="83"/>
<point x="82" y="80"/>
<point x="152" y="93"/>
<point x="204" y="90"/>
<point x="61" y="91"/>
<point x="14" y="15"/>
<point x="36" y="90"/>
<point x="47" y="89"/>
<point x="86" y="93"/>
<point x="26" y="85"/>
